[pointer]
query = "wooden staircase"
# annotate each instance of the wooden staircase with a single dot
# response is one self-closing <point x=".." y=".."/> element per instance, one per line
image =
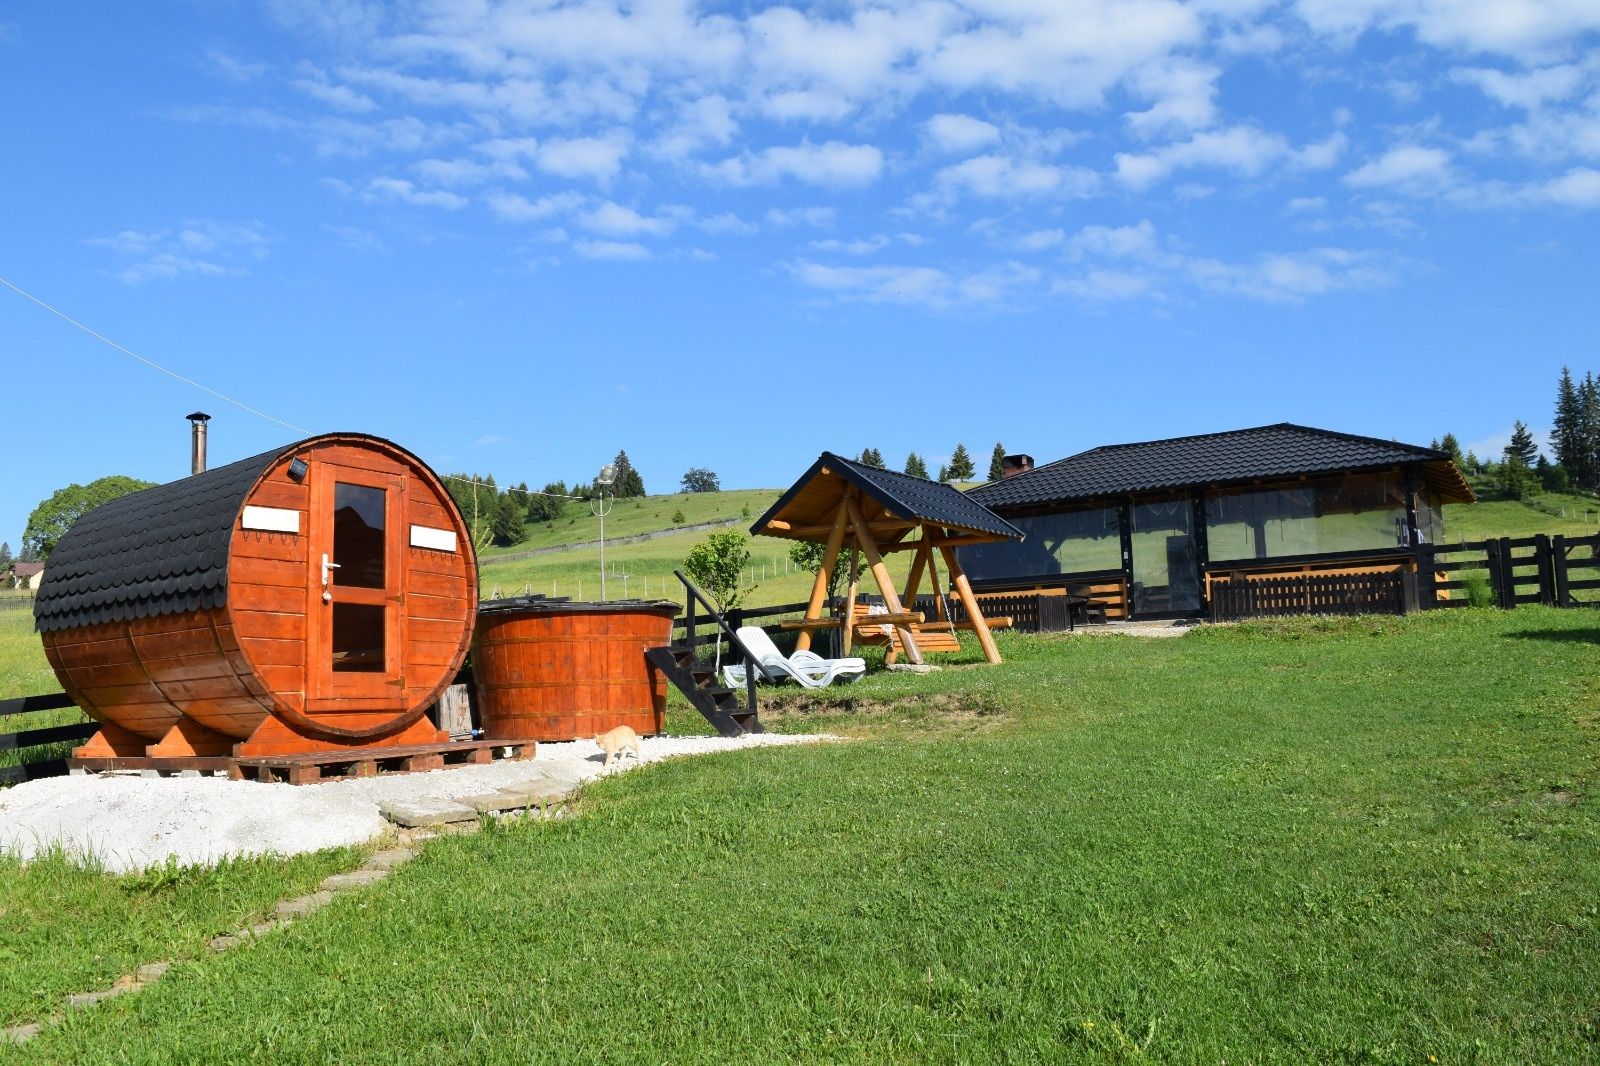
<point x="731" y="712"/>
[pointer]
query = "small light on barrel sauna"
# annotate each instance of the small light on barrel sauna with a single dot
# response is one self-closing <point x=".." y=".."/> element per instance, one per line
<point x="315" y="597"/>
<point x="555" y="670"/>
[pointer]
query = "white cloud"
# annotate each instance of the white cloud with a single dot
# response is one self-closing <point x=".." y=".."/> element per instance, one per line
<point x="831" y="164"/>
<point x="1525" y="29"/>
<point x="1528" y="90"/>
<point x="466" y="171"/>
<point x="959" y="133"/>
<point x="228" y="66"/>
<point x="1301" y="205"/>
<point x="514" y="208"/>
<point x="815" y="217"/>
<point x="1102" y="285"/>
<point x="383" y="190"/>
<point x="1184" y="94"/>
<point x="1576" y="188"/>
<point x="1118" y="242"/>
<point x="598" y="158"/>
<point x="861" y="246"/>
<point x="995" y="177"/>
<point x="618" y="221"/>
<point x="806" y="105"/>
<point x="316" y="84"/>
<point x="1407" y="165"/>
<point x="197" y="247"/>
<point x="1245" y="150"/>
<point x="612" y="250"/>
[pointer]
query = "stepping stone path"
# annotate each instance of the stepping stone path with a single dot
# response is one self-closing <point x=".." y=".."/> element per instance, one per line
<point x="417" y="820"/>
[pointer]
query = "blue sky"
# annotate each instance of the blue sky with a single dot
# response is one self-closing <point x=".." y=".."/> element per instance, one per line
<point x="516" y="237"/>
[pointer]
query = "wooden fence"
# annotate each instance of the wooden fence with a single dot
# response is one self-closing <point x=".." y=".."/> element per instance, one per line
<point x="1265" y="596"/>
<point x="35" y="752"/>
<point x="1558" y="571"/>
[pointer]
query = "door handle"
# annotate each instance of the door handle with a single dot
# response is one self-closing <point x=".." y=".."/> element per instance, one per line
<point x="327" y="576"/>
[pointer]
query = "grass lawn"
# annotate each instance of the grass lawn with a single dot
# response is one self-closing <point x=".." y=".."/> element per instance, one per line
<point x="1304" y="841"/>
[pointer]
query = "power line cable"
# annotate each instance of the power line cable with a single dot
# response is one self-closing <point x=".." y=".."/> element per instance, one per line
<point x="103" y="339"/>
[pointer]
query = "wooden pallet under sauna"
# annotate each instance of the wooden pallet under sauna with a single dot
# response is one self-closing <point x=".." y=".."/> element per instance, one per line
<point x="308" y="768"/>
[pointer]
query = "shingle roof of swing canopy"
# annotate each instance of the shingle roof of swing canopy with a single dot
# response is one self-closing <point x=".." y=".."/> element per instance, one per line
<point x="814" y="500"/>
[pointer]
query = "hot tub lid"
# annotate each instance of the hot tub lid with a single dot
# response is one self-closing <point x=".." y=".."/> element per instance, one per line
<point x="562" y="605"/>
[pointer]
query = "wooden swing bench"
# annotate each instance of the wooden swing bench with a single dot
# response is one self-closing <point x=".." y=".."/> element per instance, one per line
<point x="878" y="631"/>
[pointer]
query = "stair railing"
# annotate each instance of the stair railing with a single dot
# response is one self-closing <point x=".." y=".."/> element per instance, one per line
<point x="696" y="597"/>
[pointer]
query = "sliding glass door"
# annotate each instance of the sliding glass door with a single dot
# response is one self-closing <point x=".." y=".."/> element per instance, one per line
<point x="1166" y="570"/>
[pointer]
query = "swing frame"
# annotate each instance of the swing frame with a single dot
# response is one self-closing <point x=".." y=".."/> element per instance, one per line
<point x="843" y="504"/>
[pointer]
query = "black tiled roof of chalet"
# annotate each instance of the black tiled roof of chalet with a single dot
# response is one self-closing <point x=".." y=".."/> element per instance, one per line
<point x="155" y="552"/>
<point x="905" y="495"/>
<point x="1282" y="450"/>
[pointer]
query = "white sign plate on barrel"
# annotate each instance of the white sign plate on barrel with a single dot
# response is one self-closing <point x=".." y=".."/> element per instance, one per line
<point x="272" y="519"/>
<point x="443" y="540"/>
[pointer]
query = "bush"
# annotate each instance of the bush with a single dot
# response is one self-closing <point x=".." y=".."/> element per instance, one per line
<point x="718" y="566"/>
<point x="679" y="518"/>
<point x="1477" y="588"/>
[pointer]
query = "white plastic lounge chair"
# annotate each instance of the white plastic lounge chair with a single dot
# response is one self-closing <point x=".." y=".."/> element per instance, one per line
<point x="808" y="668"/>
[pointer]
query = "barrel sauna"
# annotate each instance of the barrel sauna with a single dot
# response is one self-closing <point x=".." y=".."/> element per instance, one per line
<point x="553" y="670"/>
<point x="315" y="597"/>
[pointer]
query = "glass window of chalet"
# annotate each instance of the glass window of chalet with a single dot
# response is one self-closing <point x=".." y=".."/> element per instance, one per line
<point x="1360" y="512"/>
<point x="1430" y="517"/>
<point x="1072" y="542"/>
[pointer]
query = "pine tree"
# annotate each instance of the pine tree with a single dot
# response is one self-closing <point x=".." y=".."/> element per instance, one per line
<point x="872" y="457"/>
<point x="509" y="523"/>
<point x="915" y="466"/>
<point x="1585" y="466"/>
<point x="1472" y="466"/>
<point x="1565" y="431"/>
<point x="1522" y="449"/>
<point x="628" y="483"/>
<point x="944" y="473"/>
<point x="5" y="552"/>
<point x="961" y="468"/>
<point x="1452" y="447"/>
<point x="997" y="462"/>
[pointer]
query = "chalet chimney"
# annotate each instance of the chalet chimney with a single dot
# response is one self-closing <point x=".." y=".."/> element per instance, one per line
<point x="197" y="442"/>
<point x="1012" y="465"/>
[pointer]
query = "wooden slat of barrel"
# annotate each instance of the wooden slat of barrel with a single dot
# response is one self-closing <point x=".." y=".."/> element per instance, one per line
<point x="560" y="672"/>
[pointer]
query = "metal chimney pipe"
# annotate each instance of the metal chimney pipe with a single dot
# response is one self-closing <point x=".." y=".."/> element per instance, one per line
<point x="197" y="442"/>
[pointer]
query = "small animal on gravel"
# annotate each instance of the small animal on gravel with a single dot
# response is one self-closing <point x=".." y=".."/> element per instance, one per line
<point x="618" y="742"/>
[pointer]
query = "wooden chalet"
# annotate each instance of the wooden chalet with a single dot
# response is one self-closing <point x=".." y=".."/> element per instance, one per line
<point x="1154" y="529"/>
<point x="845" y="504"/>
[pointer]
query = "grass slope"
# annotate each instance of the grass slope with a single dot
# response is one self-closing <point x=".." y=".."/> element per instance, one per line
<point x="1513" y="518"/>
<point x="1353" y="840"/>
<point x="644" y="515"/>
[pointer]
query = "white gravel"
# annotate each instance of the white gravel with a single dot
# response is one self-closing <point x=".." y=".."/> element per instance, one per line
<point x="126" y="822"/>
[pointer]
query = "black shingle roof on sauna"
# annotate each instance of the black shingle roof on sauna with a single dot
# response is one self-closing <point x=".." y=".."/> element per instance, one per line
<point x="1282" y="450"/>
<point x="155" y="552"/>
<point x="909" y="497"/>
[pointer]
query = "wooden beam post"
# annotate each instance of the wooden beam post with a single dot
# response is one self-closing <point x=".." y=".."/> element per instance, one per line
<point x="819" y="591"/>
<point x="850" y="599"/>
<point x="880" y="574"/>
<point x="921" y="559"/>
<point x="958" y="581"/>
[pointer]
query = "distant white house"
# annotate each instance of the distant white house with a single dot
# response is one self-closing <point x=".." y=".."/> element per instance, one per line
<point x="24" y="576"/>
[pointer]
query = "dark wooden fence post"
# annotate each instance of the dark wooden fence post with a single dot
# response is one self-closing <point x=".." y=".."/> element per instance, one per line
<point x="1547" y="577"/>
<point x="1505" y="586"/>
<point x="1558" y="571"/>
<point x="1427" y="592"/>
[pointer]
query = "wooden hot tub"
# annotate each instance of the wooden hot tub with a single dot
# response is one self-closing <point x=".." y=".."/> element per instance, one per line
<point x="554" y="670"/>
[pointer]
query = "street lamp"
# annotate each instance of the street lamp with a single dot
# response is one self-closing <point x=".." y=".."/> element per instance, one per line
<point x="608" y="475"/>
